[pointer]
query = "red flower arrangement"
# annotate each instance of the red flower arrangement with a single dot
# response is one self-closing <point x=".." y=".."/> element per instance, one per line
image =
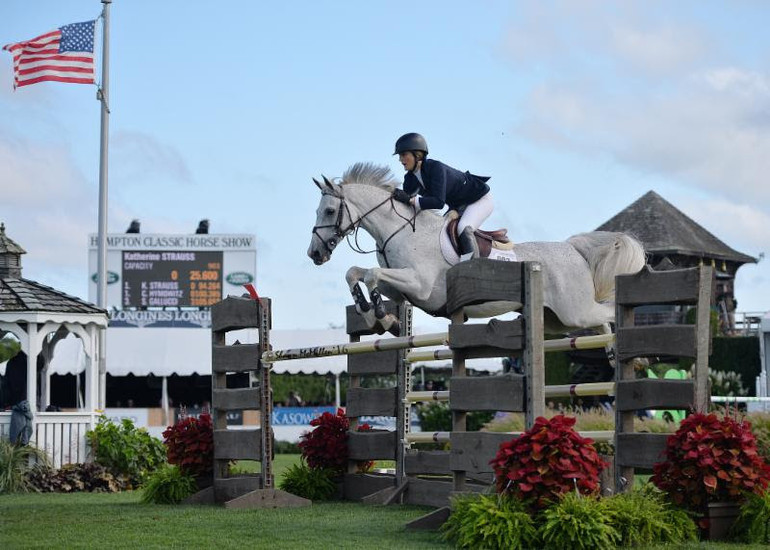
<point x="326" y="446"/>
<point x="546" y="461"/>
<point x="190" y="444"/>
<point x="711" y="459"/>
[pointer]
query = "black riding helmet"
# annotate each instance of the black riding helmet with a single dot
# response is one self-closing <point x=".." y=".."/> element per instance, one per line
<point x="411" y="142"/>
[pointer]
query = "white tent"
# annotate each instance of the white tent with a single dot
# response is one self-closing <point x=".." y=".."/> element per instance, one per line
<point x="186" y="351"/>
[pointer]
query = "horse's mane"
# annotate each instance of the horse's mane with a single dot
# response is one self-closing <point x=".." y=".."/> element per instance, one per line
<point x="367" y="173"/>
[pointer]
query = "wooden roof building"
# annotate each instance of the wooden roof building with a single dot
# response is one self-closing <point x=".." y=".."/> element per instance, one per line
<point x="667" y="232"/>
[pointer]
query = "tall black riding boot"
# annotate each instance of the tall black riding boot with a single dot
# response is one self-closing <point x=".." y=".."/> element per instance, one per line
<point x="469" y="248"/>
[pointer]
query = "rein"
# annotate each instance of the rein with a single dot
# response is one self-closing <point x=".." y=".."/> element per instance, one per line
<point x="354" y="226"/>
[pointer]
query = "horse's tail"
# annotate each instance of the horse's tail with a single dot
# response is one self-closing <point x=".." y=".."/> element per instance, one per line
<point x="609" y="254"/>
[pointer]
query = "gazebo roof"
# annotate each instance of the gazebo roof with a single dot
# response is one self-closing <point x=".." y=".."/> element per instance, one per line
<point x="21" y="296"/>
<point x="24" y="295"/>
<point x="666" y="230"/>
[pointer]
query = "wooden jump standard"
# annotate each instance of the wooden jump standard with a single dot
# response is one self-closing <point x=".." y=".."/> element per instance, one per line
<point x="231" y="489"/>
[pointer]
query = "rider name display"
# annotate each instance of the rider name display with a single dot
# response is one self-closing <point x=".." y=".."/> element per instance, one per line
<point x="166" y="271"/>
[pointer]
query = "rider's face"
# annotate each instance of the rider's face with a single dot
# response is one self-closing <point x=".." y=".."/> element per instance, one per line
<point x="407" y="160"/>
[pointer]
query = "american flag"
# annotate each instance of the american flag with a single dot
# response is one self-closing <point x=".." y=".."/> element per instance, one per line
<point x="63" y="55"/>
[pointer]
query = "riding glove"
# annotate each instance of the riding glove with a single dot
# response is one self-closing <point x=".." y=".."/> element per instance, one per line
<point x="401" y="196"/>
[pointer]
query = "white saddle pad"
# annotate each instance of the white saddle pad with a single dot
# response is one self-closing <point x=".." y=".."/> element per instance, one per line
<point x="453" y="258"/>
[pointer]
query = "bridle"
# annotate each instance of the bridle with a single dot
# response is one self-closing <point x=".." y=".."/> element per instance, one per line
<point x="339" y="232"/>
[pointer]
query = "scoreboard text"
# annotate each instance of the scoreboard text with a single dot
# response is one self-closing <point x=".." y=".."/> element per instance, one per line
<point x="171" y="278"/>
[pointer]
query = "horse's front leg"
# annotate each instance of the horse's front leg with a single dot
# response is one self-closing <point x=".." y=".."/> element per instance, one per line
<point x="396" y="283"/>
<point x="354" y="276"/>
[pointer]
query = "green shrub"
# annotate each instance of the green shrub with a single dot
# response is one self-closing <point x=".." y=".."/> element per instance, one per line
<point x="753" y="523"/>
<point x="737" y="354"/>
<point x="16" y="463"/>
<point x="126" y="450"/>
<point x="313" y="388"/>
<point x="9" y="347"/>
<point x="577" y="522"/>
<point x="311" y="483"/>
<point x="71" y="478"/>
<point x="436" y="417"/>
<point x="760" y="427"/>
<point x="489" y="521"/>
<point x="643" y="517"/>
<point x="168" y="485"/>
<point x="726" y="383"/>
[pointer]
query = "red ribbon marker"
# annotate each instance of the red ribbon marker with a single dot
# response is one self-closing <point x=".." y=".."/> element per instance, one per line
<point x="253" y="293"/>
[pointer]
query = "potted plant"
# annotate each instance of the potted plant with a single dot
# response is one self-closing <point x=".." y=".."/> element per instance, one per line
<point x="711" y="465"/>
<point x="326" y="445"/>
<point x="325" y="448"/>
<point x="190" y="445"/>
<point x="548" y="460"/>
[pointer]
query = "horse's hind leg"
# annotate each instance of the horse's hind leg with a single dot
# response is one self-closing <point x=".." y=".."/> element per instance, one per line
<point x="609" y="348"/>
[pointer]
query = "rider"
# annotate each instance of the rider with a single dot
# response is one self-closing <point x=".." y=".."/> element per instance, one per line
<point x="430" y="184"/>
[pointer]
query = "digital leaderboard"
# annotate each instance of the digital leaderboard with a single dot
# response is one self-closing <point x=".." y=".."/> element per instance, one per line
<point x="171" y="279"/>
<point x="160" y="271"/>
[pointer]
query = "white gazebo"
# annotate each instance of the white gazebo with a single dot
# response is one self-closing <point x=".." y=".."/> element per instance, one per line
<point x="40" y="316"/>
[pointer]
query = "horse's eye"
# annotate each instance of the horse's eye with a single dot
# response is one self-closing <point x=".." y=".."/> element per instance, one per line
<point x="330" y="211"/>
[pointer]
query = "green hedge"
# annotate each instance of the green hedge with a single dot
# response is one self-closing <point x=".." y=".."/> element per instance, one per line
<point x="737" y="354"/>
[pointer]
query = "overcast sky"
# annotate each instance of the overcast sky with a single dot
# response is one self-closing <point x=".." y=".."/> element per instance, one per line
<point x="226" y="110"/>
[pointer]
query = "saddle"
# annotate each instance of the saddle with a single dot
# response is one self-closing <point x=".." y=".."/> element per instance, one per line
<point x="487" y="240"/>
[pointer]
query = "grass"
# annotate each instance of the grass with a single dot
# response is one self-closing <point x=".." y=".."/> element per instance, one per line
<point x="85" y="520"/>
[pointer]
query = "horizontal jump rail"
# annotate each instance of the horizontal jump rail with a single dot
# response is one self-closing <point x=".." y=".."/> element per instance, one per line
<point x="445" y="437"/>
<point x="562" y="344"/>
<point x="351" y="348"/>
<point x="424" y="396"/>
<point x="578" y="390"/>
<point x="563" y="390"/>
<point x="738" y="399"/>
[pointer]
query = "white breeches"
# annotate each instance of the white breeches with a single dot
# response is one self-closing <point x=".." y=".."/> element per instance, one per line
<point x="475" y="213"/>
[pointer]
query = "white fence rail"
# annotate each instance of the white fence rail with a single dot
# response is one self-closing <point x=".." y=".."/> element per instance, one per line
<point x="61" y="434"/>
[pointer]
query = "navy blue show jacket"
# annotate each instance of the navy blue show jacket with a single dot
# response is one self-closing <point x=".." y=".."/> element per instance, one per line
<point x="445" y="185"/>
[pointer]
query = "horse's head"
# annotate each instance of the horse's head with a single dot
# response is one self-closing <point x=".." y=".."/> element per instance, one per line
<point x="332" y="217"/>
<point x="344" y="206"/>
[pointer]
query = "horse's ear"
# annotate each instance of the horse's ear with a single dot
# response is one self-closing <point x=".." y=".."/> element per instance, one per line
<point x="329" y="185"/>
<point x="318" y="184"/>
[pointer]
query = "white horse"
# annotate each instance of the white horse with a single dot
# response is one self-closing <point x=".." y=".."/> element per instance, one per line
<point x="578" y="275"/>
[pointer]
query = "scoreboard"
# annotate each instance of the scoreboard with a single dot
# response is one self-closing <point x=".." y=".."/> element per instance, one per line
<point x="159" y="271"/>
<point x="171" y="279"/>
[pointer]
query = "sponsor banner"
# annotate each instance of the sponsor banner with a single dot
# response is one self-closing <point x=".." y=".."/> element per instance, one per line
<point x="155" y="319"/>
<point x="301" y="416"/>
<point x="298" y="416"/>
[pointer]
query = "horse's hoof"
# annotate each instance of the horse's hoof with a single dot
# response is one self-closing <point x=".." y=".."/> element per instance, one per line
<point x="395" y="329"/>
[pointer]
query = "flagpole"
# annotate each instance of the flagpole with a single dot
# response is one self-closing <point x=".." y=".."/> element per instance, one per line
<point x="101" y="277"/>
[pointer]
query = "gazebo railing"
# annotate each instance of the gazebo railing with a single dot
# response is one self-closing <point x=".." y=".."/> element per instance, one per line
<point x="62" y="435"/>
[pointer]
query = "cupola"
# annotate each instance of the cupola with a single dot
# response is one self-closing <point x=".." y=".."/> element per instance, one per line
<point x="10" y="256"/>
